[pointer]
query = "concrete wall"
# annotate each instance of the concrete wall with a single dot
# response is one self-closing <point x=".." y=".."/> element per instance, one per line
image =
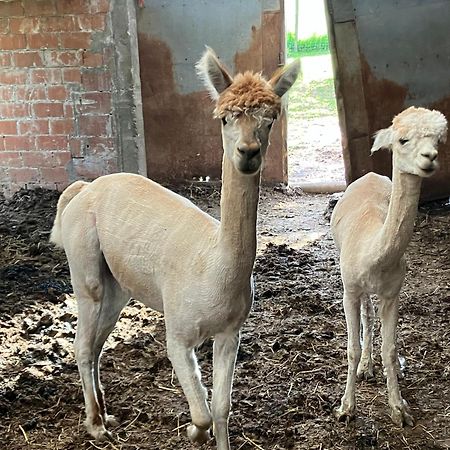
<point x="183" y="141"/>
<point x="67" y="87"/>
<point x="389" y="56"/>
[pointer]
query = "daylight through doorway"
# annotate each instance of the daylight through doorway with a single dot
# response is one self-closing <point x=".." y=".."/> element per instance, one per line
<point x="314" y="138"/>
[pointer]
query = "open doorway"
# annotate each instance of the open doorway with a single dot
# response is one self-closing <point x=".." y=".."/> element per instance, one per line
<point x="315" y="159"/>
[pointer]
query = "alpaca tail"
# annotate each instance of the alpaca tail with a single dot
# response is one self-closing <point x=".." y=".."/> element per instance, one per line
<point x="68" y="194"/>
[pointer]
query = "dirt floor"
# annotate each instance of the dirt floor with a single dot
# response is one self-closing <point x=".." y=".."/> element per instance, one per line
<point x="315" y="151"/>
<point x="291" y="366"/>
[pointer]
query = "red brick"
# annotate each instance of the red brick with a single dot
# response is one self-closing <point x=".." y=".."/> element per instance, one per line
<point x="57" y="186"/>
<point x="37" y="159"/>
<point x="75" y="147"/>
<point x="100" y="145"/>
<point x="57" y="93"/>
<point x="95" y="102"/>
<point x="8" y="9"/>
<point x="27" y="59"/>
<point x="42" y="40"/>
<point x="12" y="110"/>
<point x="72" y="75"/>
<point x="68" y="110"/>
<point x="24" y="93"/>
<point x="94" y="125"/>
<point x="99" y="6"/>
<point x="87" y="171"/>
<point x="33" y="127"/>
<point x="12" y="41"/>
<point x="75" y="40"/>
<point x="10" y="159"/>
<point x="61" y="158"/>
<point x="8" y="127"/>
<point x="19" y="142"/>
<point x="47" y="76"/>
<point x="92" y="22"/>
<point x="56" y="58"/>
<point x="39" y="7"/>
<point x="61" y="126"/>
<point x="55" y="174"/>
<point x="51" y="142"/>
<point x="46" y="159"/>
<point x="13" y="77"/>
<point x="73" y="6"/>
<point x="24" y="25"/>
<point x="96" y="80"/>
<point x="6" y="93"/>
<point x="24" y="175"/>
<point x="4" y="25"/>
<point x="91" y="59"/>
<point x="5" y="59"/>
<point x="61" y="24"/>
<point x="48" y="109"/>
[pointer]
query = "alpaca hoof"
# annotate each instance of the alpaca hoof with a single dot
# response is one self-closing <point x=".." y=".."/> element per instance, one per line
<point x="365" y="368"/>
<point x="101" y="434"/>
<point x="198" y="435"/>
<point x="365" y="373"/>
<point x="401" y="415"/>
<point x="97" y="430"/>
<point x="344" y="413"/>
<point x="111" y="421"/>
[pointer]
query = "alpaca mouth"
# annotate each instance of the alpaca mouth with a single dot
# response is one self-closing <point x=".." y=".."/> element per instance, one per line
<point x="429" y="171"/>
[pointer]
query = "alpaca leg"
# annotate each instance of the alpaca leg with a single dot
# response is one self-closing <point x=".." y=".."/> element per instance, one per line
<point x="365" y="366"/>
<point x="389" y="318"/>
<point x="186" y="368"/>
<point x="88" y="313"/>
<point x="114" y="301"/>
<point x="225" y="352"/>
<point x="352" y="316"/>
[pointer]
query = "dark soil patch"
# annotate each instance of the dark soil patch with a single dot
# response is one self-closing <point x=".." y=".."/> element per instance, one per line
<point x="291" y="366"/>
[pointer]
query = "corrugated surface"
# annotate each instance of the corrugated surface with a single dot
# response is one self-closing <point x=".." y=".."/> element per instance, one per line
<point x="389" y="55"/>
<point x="182" y="139"/>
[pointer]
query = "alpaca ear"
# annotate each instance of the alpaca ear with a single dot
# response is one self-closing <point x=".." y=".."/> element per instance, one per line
<point x="283" y="79"/>
<point x="383" y="139"/>
<point x="443" y="137"/>
<point x="213" y="74"/>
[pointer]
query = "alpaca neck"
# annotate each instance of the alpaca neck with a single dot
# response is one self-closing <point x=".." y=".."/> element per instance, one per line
<point x="238" y="210"/>
<point x="398" y="226"/>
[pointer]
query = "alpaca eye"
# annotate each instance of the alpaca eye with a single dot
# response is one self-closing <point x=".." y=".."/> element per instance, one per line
<point x="403" y="141"/>
<point x="224" y="121"/>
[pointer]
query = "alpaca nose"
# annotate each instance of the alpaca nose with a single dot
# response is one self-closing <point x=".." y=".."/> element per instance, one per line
<point x="249" y="151"/>
<point x="430" y="154"/>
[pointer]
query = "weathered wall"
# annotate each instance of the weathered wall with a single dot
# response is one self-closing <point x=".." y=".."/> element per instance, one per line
<point x="63" y="93"/>
<point x="389" y="56"/>
<point x="182" y="139"/>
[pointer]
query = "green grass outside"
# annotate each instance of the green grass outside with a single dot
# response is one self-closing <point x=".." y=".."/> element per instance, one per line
<point x="312" y="46"/>
<point x="312" y="100"/>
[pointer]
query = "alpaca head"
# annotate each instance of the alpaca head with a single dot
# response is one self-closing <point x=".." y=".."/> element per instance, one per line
<point x="247" y="105"/>
<point x="413" y="138"/>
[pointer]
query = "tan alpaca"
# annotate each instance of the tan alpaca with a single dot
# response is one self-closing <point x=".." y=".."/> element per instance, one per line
<point x="126" y="236"/>
<point x="372" y="225"/>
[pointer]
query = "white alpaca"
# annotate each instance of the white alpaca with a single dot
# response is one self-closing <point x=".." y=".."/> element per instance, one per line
<point x="126" y="236"/>
<point x="372" y="225"/>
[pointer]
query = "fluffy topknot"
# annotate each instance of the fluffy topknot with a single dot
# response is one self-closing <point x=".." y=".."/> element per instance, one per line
<point x="249" y="92"/>
<point x="420" y="122"/>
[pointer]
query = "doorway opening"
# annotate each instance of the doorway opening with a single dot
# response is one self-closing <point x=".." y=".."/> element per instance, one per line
<point x="315" y="159"/>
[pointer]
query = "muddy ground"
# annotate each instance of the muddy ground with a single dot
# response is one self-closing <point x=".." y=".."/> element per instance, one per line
<point x="291" y="366"/>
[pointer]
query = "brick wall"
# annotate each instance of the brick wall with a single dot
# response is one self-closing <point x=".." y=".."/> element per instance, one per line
<point x="56" y="103"/>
